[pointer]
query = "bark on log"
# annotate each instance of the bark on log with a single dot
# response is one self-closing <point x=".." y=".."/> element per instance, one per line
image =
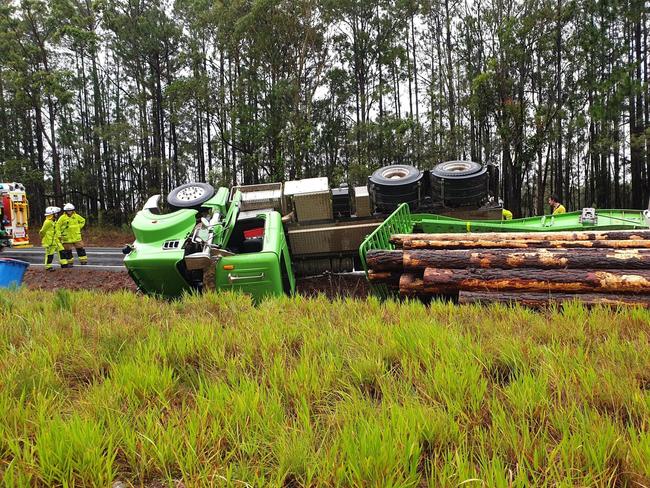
<point x="411" y="284"/>
<point x="536" y="280"/>
<point x="538" y="300"/>
<point x="512" y="259"/>
<point x="543" y="258"/>
<point x="525" y="244"/>
<point x="383" y="276"/>
<point x="380" y="260"/>
<point x="611" y="235"/>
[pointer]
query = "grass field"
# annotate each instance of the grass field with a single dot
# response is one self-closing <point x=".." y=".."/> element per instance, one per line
<point x="211" y="391"/>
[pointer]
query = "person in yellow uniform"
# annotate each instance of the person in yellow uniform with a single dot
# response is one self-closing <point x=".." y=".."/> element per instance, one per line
<point x="50" y="238"/>
<point x="69" y="228"/>
<point x="556" y="207"/>
<point x="506" y="214"/>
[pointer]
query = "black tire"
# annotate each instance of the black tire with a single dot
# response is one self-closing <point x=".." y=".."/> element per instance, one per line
<point x="395" y="184"/>
<point x="190" y="195"/>
<point x="460" y="183"/>
<point x="396" y="175"/>
<point x="456" y="169"/>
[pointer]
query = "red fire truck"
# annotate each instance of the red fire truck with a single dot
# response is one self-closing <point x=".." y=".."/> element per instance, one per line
<point x="14" y="214"/>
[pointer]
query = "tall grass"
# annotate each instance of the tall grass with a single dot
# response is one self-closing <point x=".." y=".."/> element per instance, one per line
<point x="212" y="391"/>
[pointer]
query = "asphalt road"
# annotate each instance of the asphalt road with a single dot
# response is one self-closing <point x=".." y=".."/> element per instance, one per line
<point x="102" y="258"/>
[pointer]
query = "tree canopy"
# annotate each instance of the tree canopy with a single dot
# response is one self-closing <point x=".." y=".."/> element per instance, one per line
<point x="104" y="102"/>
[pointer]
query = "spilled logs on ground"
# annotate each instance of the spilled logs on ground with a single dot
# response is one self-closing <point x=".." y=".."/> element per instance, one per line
<point x="537" y="300"/>
<point x="539" y="280"/>
<point x="614" y="235"/>
<point x="411" y="260"/>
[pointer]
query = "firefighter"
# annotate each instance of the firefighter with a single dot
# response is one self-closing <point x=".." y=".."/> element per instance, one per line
<point x="69" y="228"/>
<point x="556" y="206"/>
<point x="50" y="239"/>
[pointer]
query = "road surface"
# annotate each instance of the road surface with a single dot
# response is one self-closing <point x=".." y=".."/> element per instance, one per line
<point x="100" y="258"/>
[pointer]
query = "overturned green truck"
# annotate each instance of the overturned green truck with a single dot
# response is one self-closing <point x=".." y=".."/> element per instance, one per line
<point x="258" y="238"/>
<point x="208" y="247"/>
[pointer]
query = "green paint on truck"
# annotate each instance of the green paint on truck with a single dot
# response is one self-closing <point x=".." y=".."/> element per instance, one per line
<point x="210" y="247"/>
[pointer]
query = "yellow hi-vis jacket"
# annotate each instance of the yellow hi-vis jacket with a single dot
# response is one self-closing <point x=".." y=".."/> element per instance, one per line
<point x="559" y="210"/>
<point x="48" y="233"/>
<point x="69" y="227"/>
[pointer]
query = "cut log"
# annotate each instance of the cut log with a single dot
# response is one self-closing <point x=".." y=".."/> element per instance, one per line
<point x="411" y="284"/>
<point x="383" y="276"/>
<point x="511" y="259"/>
<point x="382" y="260"/>
<point x="611" y="235"/>
<point x="537" y="300"/>
<point x="524" y="244"/>
<point x="536" y="280"/>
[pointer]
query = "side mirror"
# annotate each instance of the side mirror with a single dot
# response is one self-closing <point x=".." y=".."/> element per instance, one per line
<point x="153" y="204"/>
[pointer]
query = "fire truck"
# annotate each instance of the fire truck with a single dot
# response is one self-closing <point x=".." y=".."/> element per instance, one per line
<point x="14" y="215"/>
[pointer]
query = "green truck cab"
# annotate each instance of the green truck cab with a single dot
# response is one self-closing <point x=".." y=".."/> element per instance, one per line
<point x="208" y="245"/>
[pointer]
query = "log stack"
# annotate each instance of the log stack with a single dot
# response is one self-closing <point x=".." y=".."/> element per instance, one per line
<point x="607" y="267"/>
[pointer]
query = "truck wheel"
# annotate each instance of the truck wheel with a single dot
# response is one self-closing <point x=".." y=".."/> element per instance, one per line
<point x="456" y="169"/>
<point x="190" y="195"/>
<point x="395" y="184"/>
<point x="458" y="183"/>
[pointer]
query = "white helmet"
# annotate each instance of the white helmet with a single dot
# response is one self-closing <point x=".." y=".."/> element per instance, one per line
<point x="68" y="207"/>
<point x="52" y="210"/>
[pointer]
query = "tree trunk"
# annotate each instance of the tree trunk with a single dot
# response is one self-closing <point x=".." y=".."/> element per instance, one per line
<point x="56" y="159"/>
<point x="415" y="76"/>
<point x="636" y="130"/>
<point x="559" y="176"/>
<point x="451" y="97"/>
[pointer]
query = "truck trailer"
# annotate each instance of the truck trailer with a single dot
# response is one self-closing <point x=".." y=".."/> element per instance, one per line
<point x="258" y="238"/>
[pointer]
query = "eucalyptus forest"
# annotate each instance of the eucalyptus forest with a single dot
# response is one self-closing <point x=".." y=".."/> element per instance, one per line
<point x="105" y="102"/>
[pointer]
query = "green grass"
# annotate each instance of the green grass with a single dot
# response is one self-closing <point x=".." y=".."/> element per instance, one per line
<point x="212" y="391"/>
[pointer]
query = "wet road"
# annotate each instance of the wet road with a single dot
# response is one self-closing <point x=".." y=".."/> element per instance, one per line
<point x="101" y="258"/>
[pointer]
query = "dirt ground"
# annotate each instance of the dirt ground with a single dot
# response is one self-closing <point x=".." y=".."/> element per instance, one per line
<point x="334" y="286"/>
<point x="78" y="278"/>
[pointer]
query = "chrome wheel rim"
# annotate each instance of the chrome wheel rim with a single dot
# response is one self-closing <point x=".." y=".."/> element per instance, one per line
<point x="455" y="167"/>
<point x="394" y="173"/>
<point x="190" y="193"/>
